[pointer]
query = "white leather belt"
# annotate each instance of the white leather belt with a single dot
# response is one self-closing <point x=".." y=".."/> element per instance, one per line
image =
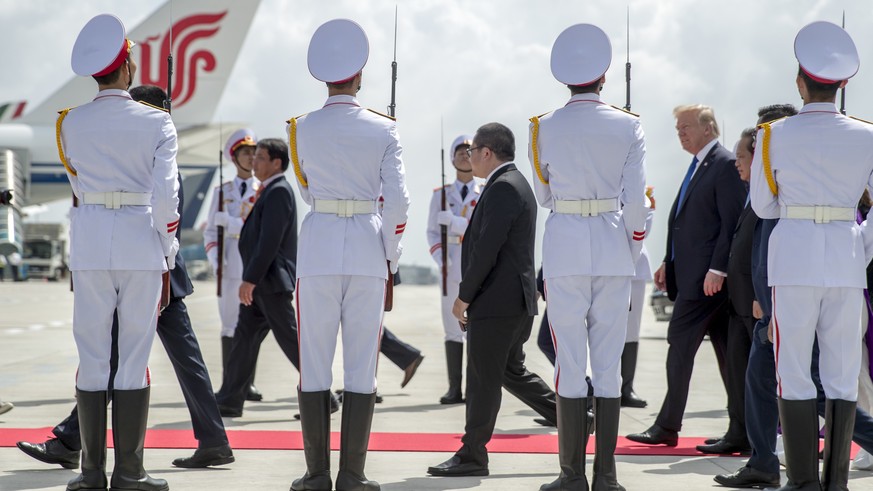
<point x="586" y="207"/>
<point x="345" y="207"/>
<point x="117" y="199"/>
<point x="820" y="214"/>
<point x="453" y="239"/>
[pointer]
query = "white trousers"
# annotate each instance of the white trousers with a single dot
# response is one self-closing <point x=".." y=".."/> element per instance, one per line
<point x="834" y="314"/>
<point x="450" y="324"/>
<point x="228" y="305"/>
<point x="588" y="314"/>
<point x="324" y="303"/>
<point x="635" y="316"/>
<point x="97" y="295"/>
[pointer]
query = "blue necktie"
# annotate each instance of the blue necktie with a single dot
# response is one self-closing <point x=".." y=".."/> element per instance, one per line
<point x="685" y="184"/>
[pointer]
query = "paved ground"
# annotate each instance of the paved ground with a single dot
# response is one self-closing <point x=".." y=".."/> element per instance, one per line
<point x="38" y="361"/>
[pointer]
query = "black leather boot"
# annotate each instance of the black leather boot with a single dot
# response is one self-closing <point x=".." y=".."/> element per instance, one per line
<point x="130" y="412"/>
<point x="629" y="398"/>
<point x="455" y="364"/>
<point x="800" y="437"/>
<point x="572" y="440"/>
<point x="355" y="436"/>
<point x="839" y="426"/>
<point x="315" y="425"/>
<point x="606" y="414"/>
<point x="92" y="431"/>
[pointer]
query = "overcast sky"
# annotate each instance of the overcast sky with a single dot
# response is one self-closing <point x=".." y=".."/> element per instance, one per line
<point x="472" y="62"/>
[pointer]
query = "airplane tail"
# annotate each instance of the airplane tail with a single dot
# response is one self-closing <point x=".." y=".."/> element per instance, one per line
<point x="206" y="40"/>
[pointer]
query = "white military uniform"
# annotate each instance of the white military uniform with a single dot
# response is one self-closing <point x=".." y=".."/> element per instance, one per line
<point x="463" y="209"/>
<point x="121" y="160"/>
<point x="237" y="205"/>
<point x="588" y="160"/>
<point x="821" y="162"/>
<point x="344" y="242"/>
<point x="642" y="276"/>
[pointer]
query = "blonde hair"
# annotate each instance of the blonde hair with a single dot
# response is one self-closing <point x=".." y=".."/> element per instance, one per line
<point x="705" y="116"/>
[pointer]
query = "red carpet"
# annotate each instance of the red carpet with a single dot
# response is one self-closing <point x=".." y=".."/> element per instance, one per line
<point x="379" y="442"/>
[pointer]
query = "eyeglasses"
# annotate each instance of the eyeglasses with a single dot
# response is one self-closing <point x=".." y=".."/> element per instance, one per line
<point x="471" y="149"/>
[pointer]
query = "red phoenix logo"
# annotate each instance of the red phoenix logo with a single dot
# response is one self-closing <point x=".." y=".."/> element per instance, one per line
<point x="188" y="60"/>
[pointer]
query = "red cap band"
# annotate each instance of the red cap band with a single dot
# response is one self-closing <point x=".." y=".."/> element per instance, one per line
<point x="819" y="79"/>
<point x="122" y="55"/>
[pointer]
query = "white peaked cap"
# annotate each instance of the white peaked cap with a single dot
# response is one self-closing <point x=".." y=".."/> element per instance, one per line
<point x="461" y="140"/>
<point x="240" y="138"/>
<point x="581" y="55"/>
<point x="101" y="47"/>
<point x="338" y="51"/>
<point x="826" y="52"/>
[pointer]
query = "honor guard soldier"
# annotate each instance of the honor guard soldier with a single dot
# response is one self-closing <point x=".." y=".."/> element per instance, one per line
<point x="589" y="165"/>
<point x="120" y="157"/>
<point x="461" y="197"/>
<point x="344" y="158"/>
<point x="810" y="171"/>
<point x="239" y="198"/>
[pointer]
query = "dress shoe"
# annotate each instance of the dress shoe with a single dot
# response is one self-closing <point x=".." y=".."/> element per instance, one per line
<point x="747" y="477"/>
<point x="724" y="447"/>
<point x="455" y="467"/>
<point x="5" y="407"/>
<point x="710" y="441"/>
<point x="53" y="451"/>
<point x="631" y="399"/>
<point x="409" y="371"/>
<point x="229" y="412"/>
<point x="253" y="394"/>
<point x="206" y="457"/>
<point x="656" y="436"/>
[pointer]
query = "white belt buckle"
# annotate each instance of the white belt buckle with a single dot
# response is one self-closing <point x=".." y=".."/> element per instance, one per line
<point x="345" y="208"/>
<point x="592" y="208"/>
<point x="112" y="200"/>
<point x="822" y="214"/>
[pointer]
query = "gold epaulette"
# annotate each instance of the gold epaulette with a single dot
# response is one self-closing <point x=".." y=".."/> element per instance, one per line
<point x="392" y="118"/>
<point x="162" y="109"/>
<point x="61" y="115"/>
<point x="761" y="125"/>
<point x="292" y="150"/>
<point x="534" y="146"/>
<point x="624" y="110"/>
<point x="861" y="120"/>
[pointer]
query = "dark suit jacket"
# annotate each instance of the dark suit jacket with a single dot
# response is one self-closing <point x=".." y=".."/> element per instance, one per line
<point x="497" y="255"/>
<point x="701" y="233"/>
<point x="180" y="284"/>
<point x="739" y="271"/>
<point x="268" y="240"/>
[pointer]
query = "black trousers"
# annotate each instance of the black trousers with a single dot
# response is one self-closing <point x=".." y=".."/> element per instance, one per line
<point x="739" y="346"/>
<point x="400" y="353"/>
<point x="495" y="360"/>
<point x="268" y="312"/>
<point x="177" y="335"/>
<point x="691" y="321"/>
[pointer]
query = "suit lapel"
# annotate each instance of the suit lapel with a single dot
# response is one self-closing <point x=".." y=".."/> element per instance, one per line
<point x="743" y="215"/>
<point x="702" y="169"/>
<point x="496" y="175"/>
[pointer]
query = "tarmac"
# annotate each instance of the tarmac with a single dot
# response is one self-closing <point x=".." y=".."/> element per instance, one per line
<point x="38" y="362"/>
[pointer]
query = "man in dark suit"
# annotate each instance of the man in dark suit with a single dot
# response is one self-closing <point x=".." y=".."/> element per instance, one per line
<point x="177" y="335"/>
<point x="497" y="299"/>
<point x="268" y="246"/>
<point x="700" y="227"/>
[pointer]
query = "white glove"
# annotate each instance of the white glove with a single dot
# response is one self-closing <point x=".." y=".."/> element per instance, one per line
<point x="438" y="258"/>
<point x="221" y="218"/>
<point x="445" y="217"/>
<point x="212" y="256"/>
<point x="171" y="259"/>
<point x="392" y="266"/>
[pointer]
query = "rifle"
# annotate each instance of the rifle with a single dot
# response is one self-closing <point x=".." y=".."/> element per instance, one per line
<point x="392" y="108"/>
<point x="843" y="90"/>
<point x="627" y="66"/>
<point x="444" y="230"/>
<point x="168" y="105"/>
<point x="219" y="269"/>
